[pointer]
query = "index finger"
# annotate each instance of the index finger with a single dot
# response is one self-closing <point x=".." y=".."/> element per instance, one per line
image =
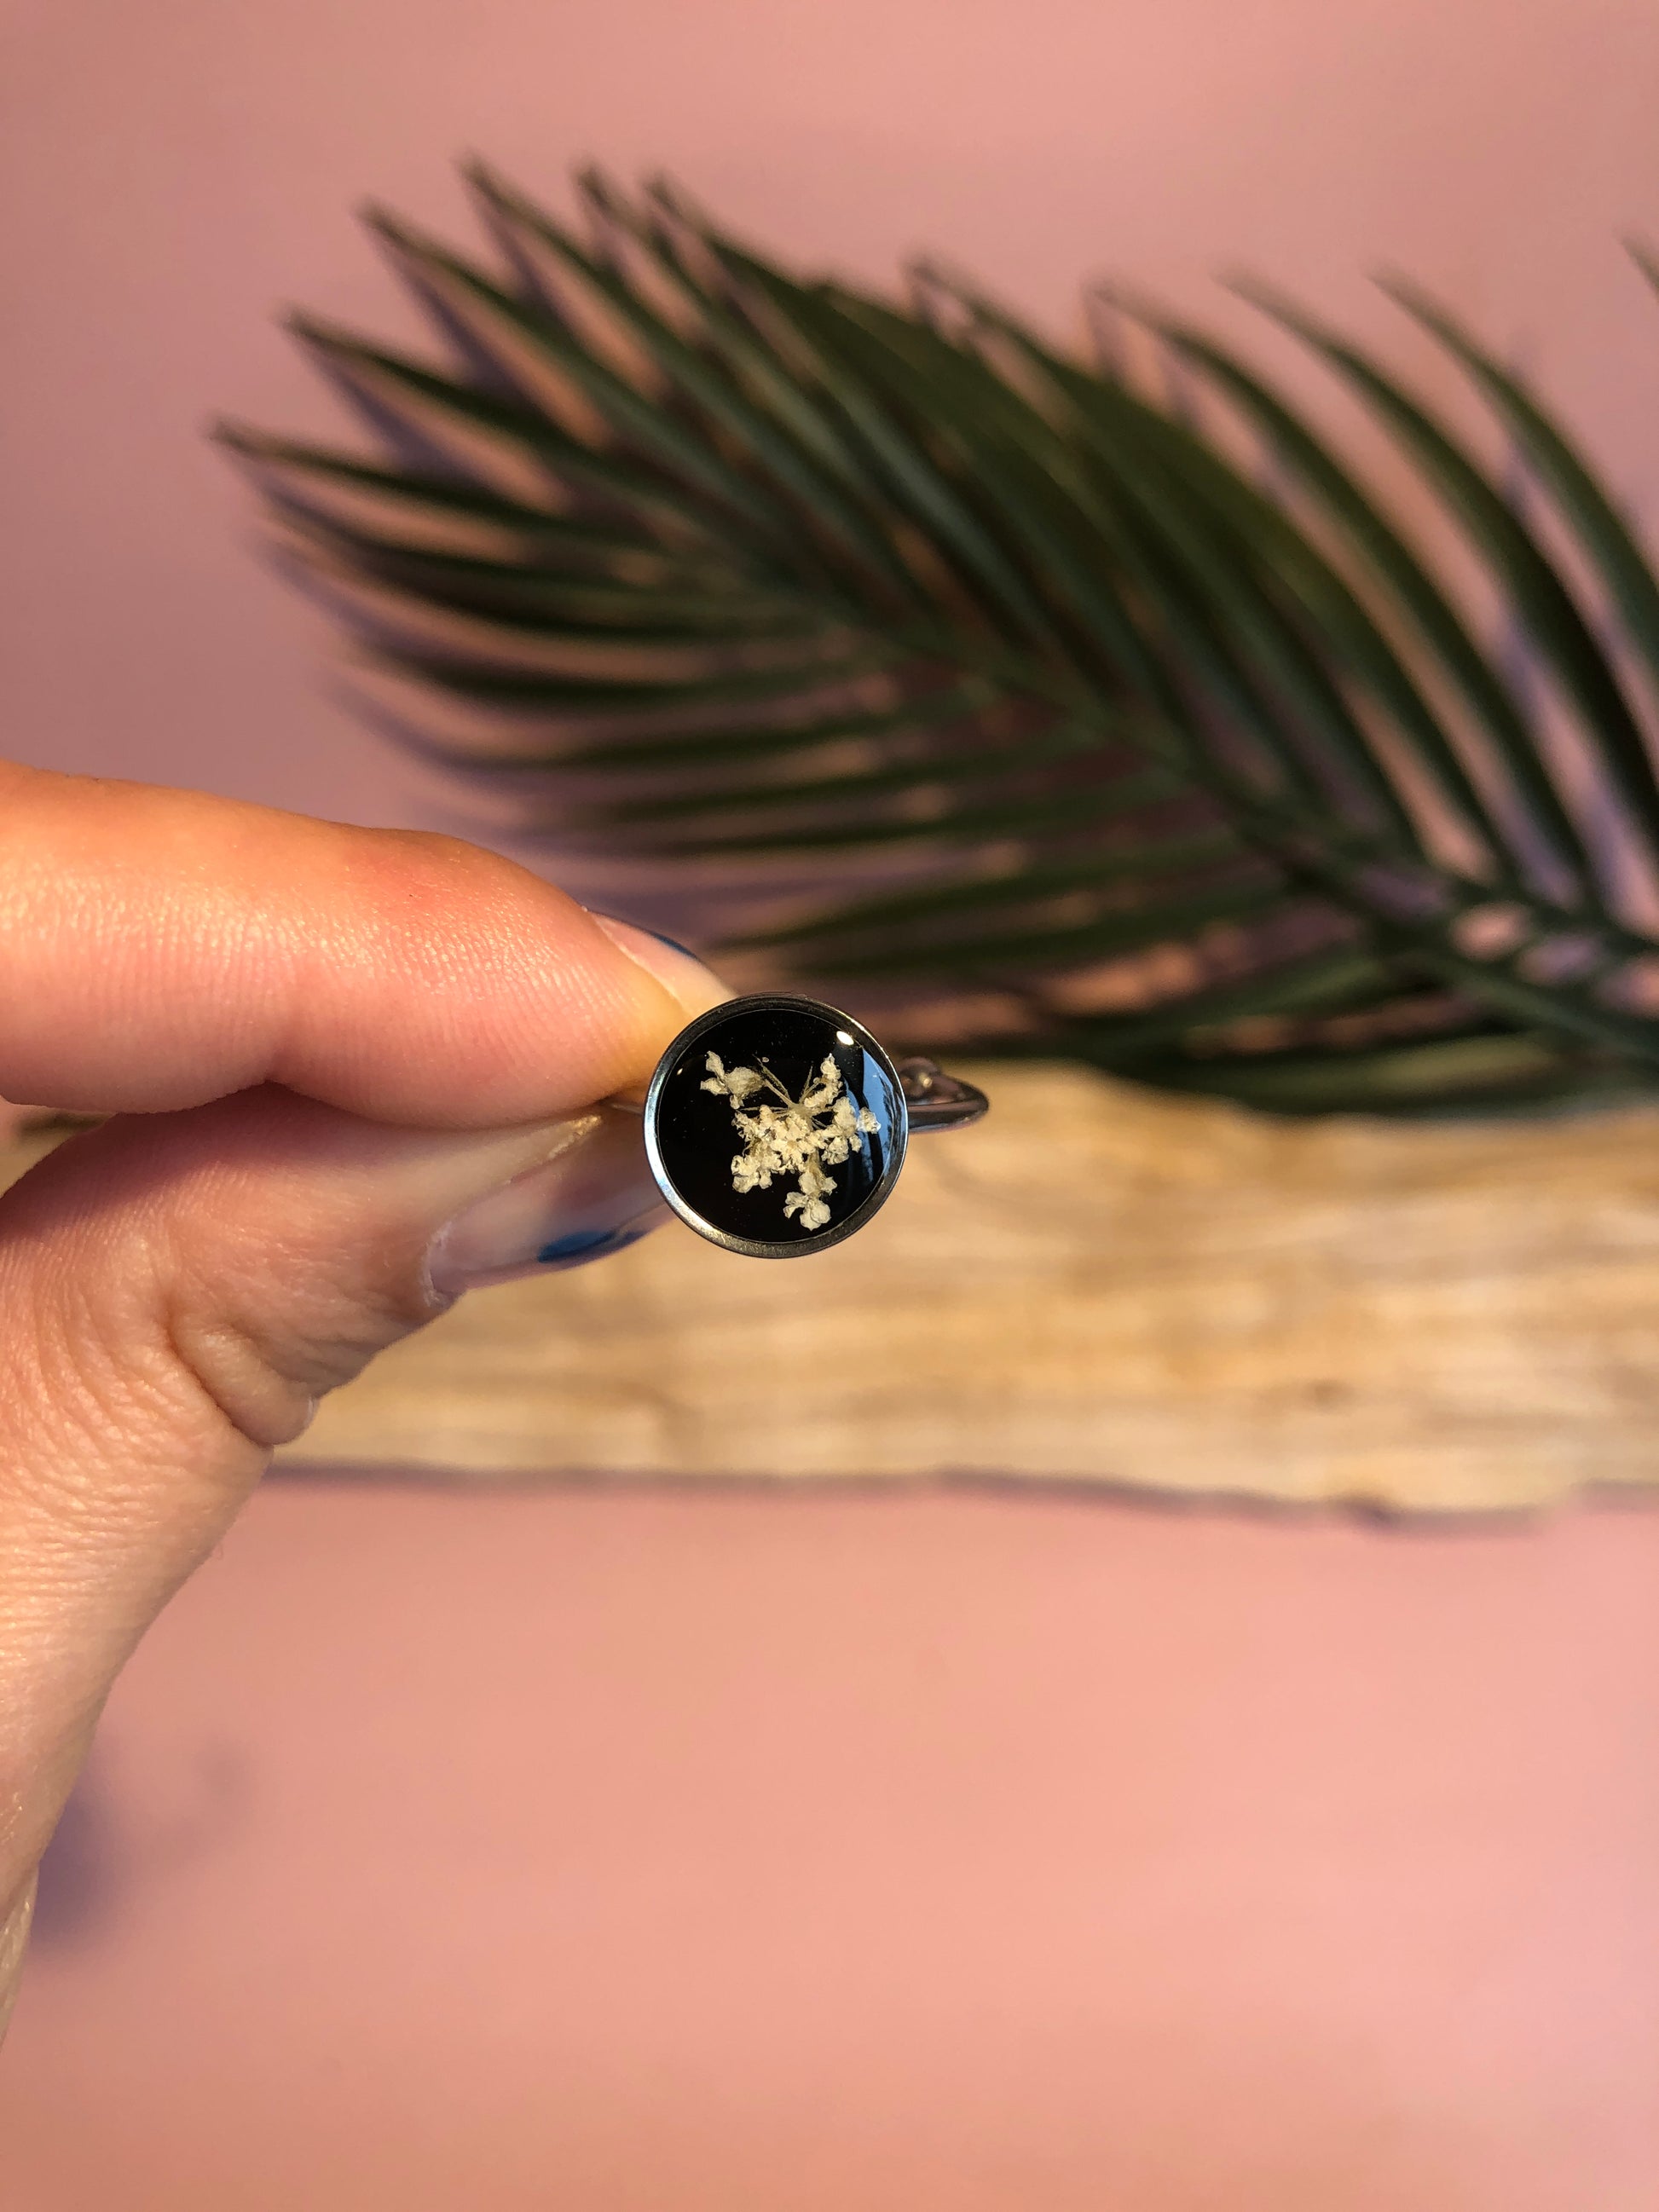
<point x="161" y="948"/>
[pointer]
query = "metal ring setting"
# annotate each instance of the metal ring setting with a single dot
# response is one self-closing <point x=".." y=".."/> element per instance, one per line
<point x="777" y="1126"/>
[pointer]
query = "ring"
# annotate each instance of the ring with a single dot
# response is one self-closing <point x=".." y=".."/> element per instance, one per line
<point x="777" y="1126"/>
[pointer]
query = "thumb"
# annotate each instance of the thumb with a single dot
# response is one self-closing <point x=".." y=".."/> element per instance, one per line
<point x="176" y="1292"/>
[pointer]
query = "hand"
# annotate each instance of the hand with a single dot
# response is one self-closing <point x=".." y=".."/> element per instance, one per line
<point x="352" y="1072"/>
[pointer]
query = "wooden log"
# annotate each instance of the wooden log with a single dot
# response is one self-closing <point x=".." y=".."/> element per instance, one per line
<point x="1100" y="1285"/>
<point x="1097" y="1286"/>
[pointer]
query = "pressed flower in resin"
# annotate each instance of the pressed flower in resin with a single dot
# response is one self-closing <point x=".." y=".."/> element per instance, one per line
<point x="784" y="1136"/>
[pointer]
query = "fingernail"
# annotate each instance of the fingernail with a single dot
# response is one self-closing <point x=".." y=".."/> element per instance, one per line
<point x="591" y="1196"/>
<point x="679" y="971"/>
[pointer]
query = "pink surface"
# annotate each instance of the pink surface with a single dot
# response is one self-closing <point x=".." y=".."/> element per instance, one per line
<point x="180" y="169"/>
<point x="923" y="1854"/>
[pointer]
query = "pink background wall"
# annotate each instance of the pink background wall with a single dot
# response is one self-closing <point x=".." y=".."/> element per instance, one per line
<point x="177" y="170"/>
<point x="636" y="1853"/>
<point x="771" y="1854"/>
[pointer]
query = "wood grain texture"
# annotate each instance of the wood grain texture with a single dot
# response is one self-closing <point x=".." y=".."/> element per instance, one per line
<point x="1100" y="1285"/>
<point x="1097" y="1286"/>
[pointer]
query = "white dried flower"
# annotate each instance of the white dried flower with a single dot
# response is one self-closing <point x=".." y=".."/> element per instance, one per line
<point x="795" y="1140"/>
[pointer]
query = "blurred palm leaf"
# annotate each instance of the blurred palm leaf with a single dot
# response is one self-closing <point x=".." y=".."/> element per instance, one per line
<point x="987" y="690"/>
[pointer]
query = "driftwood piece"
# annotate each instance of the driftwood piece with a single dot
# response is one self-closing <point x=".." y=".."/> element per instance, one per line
<point x="1100" y="1285"/>
<point x="1097" y="1286"/>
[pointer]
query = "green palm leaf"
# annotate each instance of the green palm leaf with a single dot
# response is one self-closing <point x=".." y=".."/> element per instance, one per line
<point x="980" y="688"/>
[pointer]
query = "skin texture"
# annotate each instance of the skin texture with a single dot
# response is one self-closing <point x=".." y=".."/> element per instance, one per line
<point x="318" y="1045"/>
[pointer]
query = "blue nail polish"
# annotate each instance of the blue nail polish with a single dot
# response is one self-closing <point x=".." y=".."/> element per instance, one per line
<point x="589" y="1244"/>
<point x="574" y="1247"/>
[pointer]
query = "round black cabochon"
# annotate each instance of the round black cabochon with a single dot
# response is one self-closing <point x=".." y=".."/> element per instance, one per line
<point x="763" y="1141"/>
